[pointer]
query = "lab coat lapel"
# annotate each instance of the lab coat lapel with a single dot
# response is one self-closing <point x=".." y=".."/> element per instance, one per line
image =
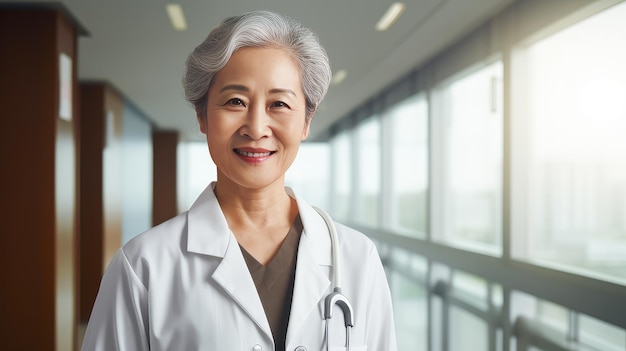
<point x="314" y="258"/>
<point x="234" y="277"/>
<point x="208" y="234"/>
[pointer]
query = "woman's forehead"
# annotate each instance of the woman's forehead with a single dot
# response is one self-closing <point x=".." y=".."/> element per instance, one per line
<point x="272" y="69"/>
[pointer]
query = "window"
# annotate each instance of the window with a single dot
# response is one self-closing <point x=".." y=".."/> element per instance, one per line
<point x="195" y="171"/>
<point x="342" y="179"/>
<point x="408" y="139"/>
<point x="552" y="315"/>
<point x="410" y="300"/>
<point x="570" y="148"/>
<point x="600" y="335"/>
<point x="467" y="331"/>
<point x="137" y="174"/>
<point x="549" y="321"/>
<point x="309" y="175"/>
<point x="471" y="289"/>
<point x="475" y="306"/>
<point x="367" y="149"/>
<point x="503" y="204"/>
<point x="468" y="154"/>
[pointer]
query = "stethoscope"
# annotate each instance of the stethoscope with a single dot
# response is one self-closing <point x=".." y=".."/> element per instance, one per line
<point x="336" y="297"/>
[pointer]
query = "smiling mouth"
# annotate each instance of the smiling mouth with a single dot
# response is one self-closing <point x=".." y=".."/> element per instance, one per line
<point x="253" y="154"/>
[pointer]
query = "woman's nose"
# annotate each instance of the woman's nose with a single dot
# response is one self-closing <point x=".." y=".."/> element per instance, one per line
<point x="256" y="125"/>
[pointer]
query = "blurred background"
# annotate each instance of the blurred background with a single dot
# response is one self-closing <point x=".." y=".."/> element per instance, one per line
<point x="480" y="143"/>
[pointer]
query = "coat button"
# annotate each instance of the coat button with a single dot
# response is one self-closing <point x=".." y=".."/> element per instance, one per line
<point x="300" y="348"/>
<point x="257" y="347"/>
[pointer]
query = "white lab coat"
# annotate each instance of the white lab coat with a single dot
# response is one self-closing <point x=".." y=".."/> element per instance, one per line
<point x="184" y="285"/>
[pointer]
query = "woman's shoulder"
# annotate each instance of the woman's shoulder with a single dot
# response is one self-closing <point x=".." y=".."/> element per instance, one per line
<point x="165" y="238"/>
<point x="354" y="241"/>
<point x="149" y="253"/>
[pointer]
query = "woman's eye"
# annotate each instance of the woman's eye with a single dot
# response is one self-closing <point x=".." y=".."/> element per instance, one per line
<point x="279" y="104"/>
<point x="235" y="102"/>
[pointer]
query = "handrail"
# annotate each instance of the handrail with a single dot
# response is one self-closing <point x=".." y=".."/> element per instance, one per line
<point x="532" y="333"/>
<point x="600" y="299"/>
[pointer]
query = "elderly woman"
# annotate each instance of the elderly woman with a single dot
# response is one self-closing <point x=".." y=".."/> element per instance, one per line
<point x="250" y="265"/>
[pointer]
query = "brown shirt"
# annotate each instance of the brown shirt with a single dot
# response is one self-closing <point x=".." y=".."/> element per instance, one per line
<point x="274" y="282"/>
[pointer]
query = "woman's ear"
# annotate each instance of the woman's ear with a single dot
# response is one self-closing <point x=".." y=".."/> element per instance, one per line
<point x="307" y="127"/>
<point x="307" y="122"/>
<point x="201" y="122"/>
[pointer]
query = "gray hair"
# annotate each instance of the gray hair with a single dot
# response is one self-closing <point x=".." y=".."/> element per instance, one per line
<point x="258" y="29"/>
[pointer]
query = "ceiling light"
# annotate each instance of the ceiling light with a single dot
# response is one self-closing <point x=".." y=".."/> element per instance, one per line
<point x="390" y="17"/>
<point x="177" y="17"/>
<point x="339" y="76"/>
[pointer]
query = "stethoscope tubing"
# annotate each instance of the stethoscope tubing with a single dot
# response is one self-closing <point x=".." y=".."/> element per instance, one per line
<point x="334" y="242"/>
<point x="336" y="297"/>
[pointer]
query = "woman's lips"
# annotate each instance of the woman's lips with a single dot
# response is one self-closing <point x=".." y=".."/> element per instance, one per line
<point x="253" y="156"/>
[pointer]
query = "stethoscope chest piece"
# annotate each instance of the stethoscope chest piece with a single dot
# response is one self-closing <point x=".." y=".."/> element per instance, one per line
<point x="336" y="298"/>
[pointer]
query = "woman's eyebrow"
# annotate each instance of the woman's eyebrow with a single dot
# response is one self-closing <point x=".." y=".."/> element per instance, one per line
<point x="243" y="88"/>
<point x="280" y="91"/>
<point x="234" y="87"/>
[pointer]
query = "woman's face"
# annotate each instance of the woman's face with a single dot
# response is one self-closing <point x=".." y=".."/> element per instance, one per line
<point x="255" y="117"/>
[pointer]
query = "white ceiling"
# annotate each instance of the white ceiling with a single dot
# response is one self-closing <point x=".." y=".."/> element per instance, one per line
<point x="132" y="45"/>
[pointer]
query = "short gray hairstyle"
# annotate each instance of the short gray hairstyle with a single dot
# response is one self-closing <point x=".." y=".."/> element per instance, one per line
<point x="258" y="29"/>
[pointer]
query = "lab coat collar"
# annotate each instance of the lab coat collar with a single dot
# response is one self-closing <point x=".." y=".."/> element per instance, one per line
<point x="208" y="234"/>
<point x="208" y="231"/>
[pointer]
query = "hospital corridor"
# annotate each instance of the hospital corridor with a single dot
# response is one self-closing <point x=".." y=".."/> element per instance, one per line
<point x="479" y="144"/>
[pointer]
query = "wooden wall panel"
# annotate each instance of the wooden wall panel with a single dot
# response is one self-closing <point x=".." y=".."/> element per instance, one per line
<point x="91" y="195"/>
<point x="102" y="111"/>
<point x="164" y="206"/>
<point x="38" y="201"/>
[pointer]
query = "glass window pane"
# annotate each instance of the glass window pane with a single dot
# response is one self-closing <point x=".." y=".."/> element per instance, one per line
<point x="554" y="315"/>
<point x="436" y="323"/>
<point x="543" y="319"/>
<point x="137" y="170"/>
<point x="408" y="140"/>
<point x="601" y="335"/>
<point x="195" y="171"/>
<point x="571" y="149"/>
<point x="367" y="205"/>
<point x="341" y="180"/>
<point x="309" y="175"/>
<point x="566" y="327"/>
<point x="522" y="304"/>
<point x="497" y="295"/>
<point x="467" y="332"/>
<point x="410" y="311"/>
<point x="469" y="175"/>
<point x="471" y="289"/>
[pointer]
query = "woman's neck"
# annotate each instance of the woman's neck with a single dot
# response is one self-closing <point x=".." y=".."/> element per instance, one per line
<point x="258" y="218"/>
<point x="270" y="206"/>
